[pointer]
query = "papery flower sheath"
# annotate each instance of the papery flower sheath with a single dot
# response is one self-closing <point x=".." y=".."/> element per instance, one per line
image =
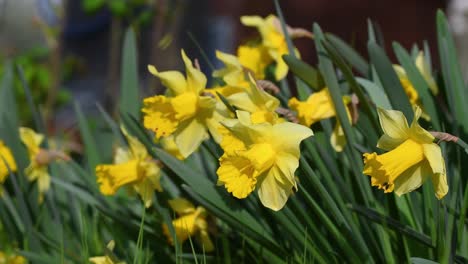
<point x="317" y="107"/>
<point x="133" y="166"/>
<point x="261" y="156"/>
<point x="412" y="156"/>
<point x="191" y="222"/>
<point x="7" y="162"/>
<point x="186" y="112"/>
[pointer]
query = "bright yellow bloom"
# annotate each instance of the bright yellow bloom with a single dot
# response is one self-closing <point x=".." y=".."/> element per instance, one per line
<point x="186" y="112"/>
<point x="38" y="169"/>
<point x="233" y="73"/>
<point x="133" y="166"/>
<point x="254" y="58"/>
<point x="7" y="162"/>
<point x="191" y="222"/>
<point x="273" y="41"/>
<point x="411" y="158"/>
<point x="11" y="259"/>
<point x="256" y="101"/>
<point x="263" y="156"/>
<point x="317" y="107"/>
<point x="107" y="259"/>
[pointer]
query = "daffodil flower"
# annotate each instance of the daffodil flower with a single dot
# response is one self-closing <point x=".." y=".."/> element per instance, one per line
<point x="254" y="58"/>
<point x="7" y="162"/>
<point x="317" y="107"/>
<point x="108" y="258"/>
<point x="411" y="158"/>
<point x="191" y="222"/>
<point x="273" y="43"/>
<point x="186" y="112"/>
<point x="259" y="103"/>
<point x="11" y="258"/>
<point x="233" y="74"/>
<point x="261" y="156"/>
<point x="133" y="166"/>
<point x="424" y="69"/>
<point x="38" y="169"/>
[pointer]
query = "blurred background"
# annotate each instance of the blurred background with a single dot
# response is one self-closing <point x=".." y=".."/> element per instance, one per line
<point x="71" y="50"/>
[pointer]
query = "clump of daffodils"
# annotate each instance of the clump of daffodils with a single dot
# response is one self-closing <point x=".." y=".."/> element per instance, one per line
<point x="412" y="156"/>
<point x="7" y="162"/>
<point x="191" y="222"/>
<point x="133" y="167"/>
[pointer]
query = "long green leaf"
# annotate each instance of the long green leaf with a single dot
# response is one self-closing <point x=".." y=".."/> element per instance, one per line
<point x="129" y="87"/>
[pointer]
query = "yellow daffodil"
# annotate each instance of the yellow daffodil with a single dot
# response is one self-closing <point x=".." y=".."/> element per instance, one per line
<point x="107" y="259"/>
<point x="263" y="156"/>
<point x="255" y="59"/>
<point x="38" y="169"/>
<point x="7" y="162"/>
<point x="186" y="112"/>
<point x="259" y="103"/>
<point x="411" y="158"/>
<point x="191" y="222"/>
<point x="408" y="87"/>
<point x="317" y="107"/>
<point x="273" y="40"/>
<point x="11" y="259"/>
<point x="133" y="166"/>
<point x="233" y="73"/>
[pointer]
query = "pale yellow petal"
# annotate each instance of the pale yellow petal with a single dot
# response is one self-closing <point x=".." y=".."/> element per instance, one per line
<point x="393" y="123"/>
<point x="401" y="73"/>
<point x="417" y="132"/>
<point x="338" y="139"/>
<point x="281" y="69"/>
<point x="272" y="193"/>
<point x="7" y="162"/>
<point x="412" y="178"/>
<point x="181" y="206"/>
<point x="172" y="80"/>
<point x="388" y="143"/>
<point x="189" y="136"/>
<point x="206" y="240"/>
<point x="425" y="71"/>
<point x="287" y="164"/>
<point x="196" y="80"/>
<point x="433" y="154"/>
<point x="439" y="181"/>
<point x="252" y="21"/>
<point x="288" y="136"/>
<point x="31" y="139"/>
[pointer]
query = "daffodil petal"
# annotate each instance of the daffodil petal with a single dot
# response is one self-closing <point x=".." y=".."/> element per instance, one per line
<point x="388" y="143"/>
<point x="281" y="69"/>
<point x="338" y="139"/>
<point x="433" y="154"/>
<point x="272" y="193"/>
<point x="196" y="80"/>
<point x="425" y="71"/>
<point x="206" y="240"/>
<point x="181" y="206"/>
<point x="172" y="80"/>
<point x="251" y="21"/>
<point x="393" y="123"/>
<point x="439" y="181"/>
<point x="412" y="178"/>
<point x="287" y="164"/>
<point x="189" y="136"/>
<point x="401" y="73"/>
<point x="417" y="132"/>
<point x="291" y="135"/>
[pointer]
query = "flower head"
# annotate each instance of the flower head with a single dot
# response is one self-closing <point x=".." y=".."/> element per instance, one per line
<point x="38" y="169"/>
<point x="191" y="222"/>
<point x="261" y="156"/>
<point x="186" y="112"/>
<point x="133" y="166"/>
<point x="273" y="41"/>
<point x="7" y="162"/>
<point x="317" y="107"/>
<point x="411" y="158"/>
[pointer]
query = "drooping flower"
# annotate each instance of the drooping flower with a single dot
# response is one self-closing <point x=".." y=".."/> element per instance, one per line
<point x="7" y="162"/>
<point x="412" y="156"/>
<point x="133" y="167"/>
<point x="273" y="40"/>
<point x="191" y="222"/>
<point x="317" y="107"/>
<point x="261" y="156"/>
<point x="38" y="169"/>
<point x="186" y="112"/>
<point x="109" y="258"/>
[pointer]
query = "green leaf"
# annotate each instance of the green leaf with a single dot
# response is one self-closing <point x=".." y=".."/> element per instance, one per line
<point x="349" y="54"/>
<point x="375" y="92"/>
<point x="91" y="151"/>
<point x="129" y="87"/>
<point x="390" y="82"/>
<point x="304" y="71"/>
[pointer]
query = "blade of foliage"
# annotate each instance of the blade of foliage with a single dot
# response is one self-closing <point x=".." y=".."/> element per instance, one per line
<point x="304" y="71"/>
<point x="91" y="151"/>
<point x="129" y="87"/>
<point x="349" y="54"/>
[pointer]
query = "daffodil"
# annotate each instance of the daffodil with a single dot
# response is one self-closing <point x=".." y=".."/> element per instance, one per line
<point x="7" y="162"/>
<point x="38" y="169"/>
<point x="233" y="74"/>
<point x="412" y="156"/>
<point x="108" y="258"/>
<point x="186" y="112"/>
<point x="424" y="69"/>
<point x="273" y="40"/>
<point x="317" y="107"/>
<point x="261" y="156"/>
<point x="256" y="101"/>
<point x="191" y="222"/>
<point x="255" y="58"/>
<point x="132" y="166"/>
<point x="11" y="258"/>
